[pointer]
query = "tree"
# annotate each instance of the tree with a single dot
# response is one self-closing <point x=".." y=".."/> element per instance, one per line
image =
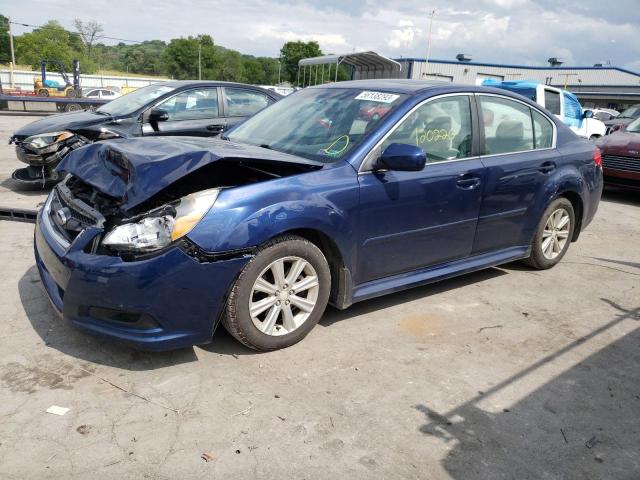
<point x="181" y="57"/>
<point x="89" y="31"/>
<point x="291" y="53"/>
<point x="5" y="52"/>
<point x="230" y="66"/>
<point x="51" y="41"/>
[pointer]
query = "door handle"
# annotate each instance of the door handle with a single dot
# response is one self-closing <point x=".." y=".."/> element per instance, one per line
<point x="547" y="167"/>
<point x="215" y="128"/>
<point x="468" y="181"/>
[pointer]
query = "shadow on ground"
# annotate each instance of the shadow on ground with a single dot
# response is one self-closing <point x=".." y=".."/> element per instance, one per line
<point x="622" y="196"/>
<point x="582" y="424"/>
<point x="62" y="336"/>
<point x="22" y="189"/>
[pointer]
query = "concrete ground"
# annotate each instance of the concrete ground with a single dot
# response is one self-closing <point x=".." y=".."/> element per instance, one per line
<point x="507" y="373"/>
<point x="10" y="193"/>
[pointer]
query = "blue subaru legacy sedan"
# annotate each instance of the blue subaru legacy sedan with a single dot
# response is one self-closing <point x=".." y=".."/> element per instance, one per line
<point x="336" y="194"/>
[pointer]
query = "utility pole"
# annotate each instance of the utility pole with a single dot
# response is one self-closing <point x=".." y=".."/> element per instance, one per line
<point x="433" y="12"/>
<point x="199" y="60"/>
<point x="566" y="78"/>
<point x="280" y="68"/>
<point x="13" y="54"/>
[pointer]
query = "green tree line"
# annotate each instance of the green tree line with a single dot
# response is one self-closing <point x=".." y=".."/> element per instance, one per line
<point x="177" y="58"/>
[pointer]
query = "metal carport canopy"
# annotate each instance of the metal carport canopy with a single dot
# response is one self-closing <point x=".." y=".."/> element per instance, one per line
<point x="361" y="60"/>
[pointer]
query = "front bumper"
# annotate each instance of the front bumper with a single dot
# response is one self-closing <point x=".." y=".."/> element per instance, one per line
<point x="622" y="178"/>
<point x="49" y="156"/>
<point x="162" y="303"/>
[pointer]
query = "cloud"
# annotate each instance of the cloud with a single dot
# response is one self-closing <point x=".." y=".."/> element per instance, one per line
<point x="403" y="37"/>
<point x="507" y="31"/>
<point x="506" y="3"/>
<point x="329" y="42"/>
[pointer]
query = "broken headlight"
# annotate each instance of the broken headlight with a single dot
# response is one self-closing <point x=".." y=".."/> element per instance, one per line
<point x="157" y="231"/>
<point x="46" y="142"/>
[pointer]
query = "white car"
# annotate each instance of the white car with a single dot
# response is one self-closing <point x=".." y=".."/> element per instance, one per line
<point x="102" y="94"/>
<point x="604" y="114"/>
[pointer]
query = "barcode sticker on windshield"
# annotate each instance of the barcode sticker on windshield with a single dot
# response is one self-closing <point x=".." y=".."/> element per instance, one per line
<point x="377" y="97"/>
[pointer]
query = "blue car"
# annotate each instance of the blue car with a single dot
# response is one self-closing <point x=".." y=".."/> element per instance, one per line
<point x="314" y="200"/>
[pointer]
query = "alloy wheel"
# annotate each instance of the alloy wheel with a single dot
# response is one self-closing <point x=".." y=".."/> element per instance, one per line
<point x="556" y="233"/>
<point x="283" y="296"/>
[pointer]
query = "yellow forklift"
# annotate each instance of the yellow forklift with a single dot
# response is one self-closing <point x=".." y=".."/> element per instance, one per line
<point x="50" y="88"/>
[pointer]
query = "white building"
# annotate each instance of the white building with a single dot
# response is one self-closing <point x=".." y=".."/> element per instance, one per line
<point x="601" y="86"/>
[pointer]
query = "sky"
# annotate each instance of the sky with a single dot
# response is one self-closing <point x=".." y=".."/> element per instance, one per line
<point x="527" y="32"/>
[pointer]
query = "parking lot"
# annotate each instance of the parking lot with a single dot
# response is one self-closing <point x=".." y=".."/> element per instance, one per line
<point x="504" y="373"/>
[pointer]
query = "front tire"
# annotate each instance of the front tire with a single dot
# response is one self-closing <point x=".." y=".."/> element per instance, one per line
<point x="280" y="294"/>
<point x="553" y="235"/>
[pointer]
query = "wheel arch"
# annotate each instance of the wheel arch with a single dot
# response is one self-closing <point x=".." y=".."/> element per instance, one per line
<point x="578" y="209"/>
<point x="341" y="284"/>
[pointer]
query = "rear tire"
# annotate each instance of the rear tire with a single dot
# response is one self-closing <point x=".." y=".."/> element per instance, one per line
<point x="553" y="235"/>
<point x="72" y="107"/>
<point x="283" y="323"/>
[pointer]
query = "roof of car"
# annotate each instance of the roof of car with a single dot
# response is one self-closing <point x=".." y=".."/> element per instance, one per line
<point x="398" y="85"/>
<point x="196" y="83"/>
<point x="189" y="83"/>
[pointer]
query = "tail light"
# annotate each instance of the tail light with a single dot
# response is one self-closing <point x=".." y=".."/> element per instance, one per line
<point x="597" y="157"/>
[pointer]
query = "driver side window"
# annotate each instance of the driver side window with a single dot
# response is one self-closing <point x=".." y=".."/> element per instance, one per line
<point x="442" y="128"/>
<point x="192" y="105"/>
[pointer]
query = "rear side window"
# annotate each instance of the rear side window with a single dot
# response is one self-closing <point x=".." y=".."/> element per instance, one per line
<point x="507" y="125"/>
<point x="552" y="101"/>
<point x="542" y="131"/>
<point x="243" y="103"/>
<point x="441" y="127"/>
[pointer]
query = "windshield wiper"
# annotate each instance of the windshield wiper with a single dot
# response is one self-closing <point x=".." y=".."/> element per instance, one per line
<point x="102" y="113"/>
<point x="268" y="147"/>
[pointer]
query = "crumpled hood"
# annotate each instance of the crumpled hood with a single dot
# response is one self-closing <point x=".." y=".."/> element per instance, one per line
<point x="62" y="121"/>
<point x="133" y="170"/>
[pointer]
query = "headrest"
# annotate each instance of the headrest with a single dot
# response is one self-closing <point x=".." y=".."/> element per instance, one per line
<point x="511" y="129"/>
<point x="440" y="122"/>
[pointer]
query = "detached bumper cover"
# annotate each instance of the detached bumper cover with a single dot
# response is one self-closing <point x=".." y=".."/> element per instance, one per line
<point x="179" y="298"/>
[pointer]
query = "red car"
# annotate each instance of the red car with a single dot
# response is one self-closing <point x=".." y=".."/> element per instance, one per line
<point x="621" y="156"/>
<point x="374" y="112"/>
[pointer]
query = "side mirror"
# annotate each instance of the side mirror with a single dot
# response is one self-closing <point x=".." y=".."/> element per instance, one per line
<point x="588" y="114"/>
<point x="158" y="115"/>
<point x="402" y="157"/>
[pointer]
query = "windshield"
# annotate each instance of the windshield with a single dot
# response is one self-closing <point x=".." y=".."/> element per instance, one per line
<point x="631" y="112"/>
<point x="129" y="103"/>
<point x="634" y="127"/>
<point x="321" y="124"/>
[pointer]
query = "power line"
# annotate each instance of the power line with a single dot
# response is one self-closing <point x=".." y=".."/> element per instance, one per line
<point x="76" y="33"/>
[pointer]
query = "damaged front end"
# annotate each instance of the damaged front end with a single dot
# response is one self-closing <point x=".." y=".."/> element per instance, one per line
<point x="112" y="241"/>
<point x="137" y="202"/>
<point x="43" y="152"/>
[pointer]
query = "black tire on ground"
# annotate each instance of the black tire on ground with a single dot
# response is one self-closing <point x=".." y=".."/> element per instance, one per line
<point x="237" y="319"/>
<point x="537" y="259"/>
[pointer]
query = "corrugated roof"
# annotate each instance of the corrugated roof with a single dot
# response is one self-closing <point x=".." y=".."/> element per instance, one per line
<point x="370" y="60"/>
